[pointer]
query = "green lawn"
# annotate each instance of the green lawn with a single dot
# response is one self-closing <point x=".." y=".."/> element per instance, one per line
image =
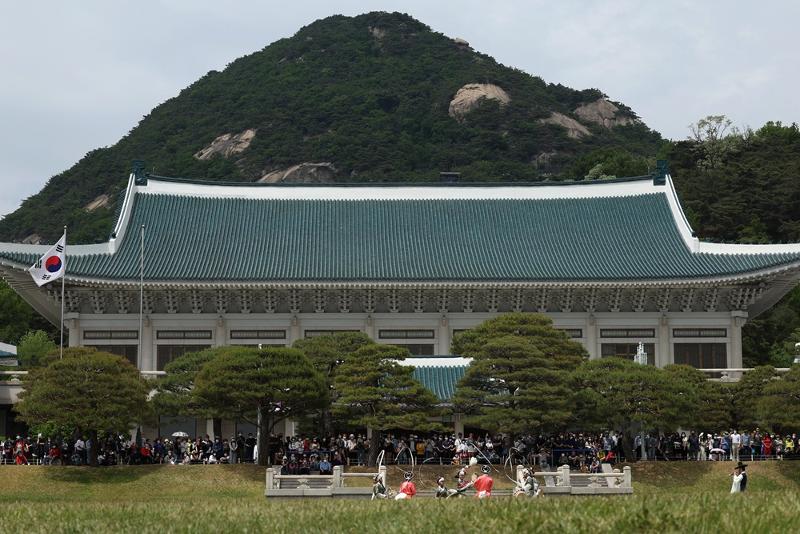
<point x="674" y="497"/>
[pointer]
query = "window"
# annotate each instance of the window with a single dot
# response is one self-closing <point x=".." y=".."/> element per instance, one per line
<point x="317" y="333"/>
<point x="405" y="334"/>
<point x="699" y="332"/>
<point x="167" y="353"/>
<point x="572" y="332"/>
<point x="183" y="334"/>
<point x="628" y="351"/>
<point x="627" y="332"/>
<point x="128" y="352"/>
<point x="417" y="349"/>
<point x="110" y="334"/>
<point x="258" y="334"/>
<point x="702" y="355"/>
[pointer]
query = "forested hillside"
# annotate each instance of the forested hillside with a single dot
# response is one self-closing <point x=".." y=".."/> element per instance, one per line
<point x="377" y="97"/>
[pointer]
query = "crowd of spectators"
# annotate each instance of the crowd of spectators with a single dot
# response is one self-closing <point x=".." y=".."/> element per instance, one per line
<point x="302" y="455"/>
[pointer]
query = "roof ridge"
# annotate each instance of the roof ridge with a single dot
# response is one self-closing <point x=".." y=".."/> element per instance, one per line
<point x="456" y="185"/>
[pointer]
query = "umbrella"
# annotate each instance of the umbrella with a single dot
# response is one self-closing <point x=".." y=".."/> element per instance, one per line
<point x="180" y="434"/>
<point x="717" y="450"/>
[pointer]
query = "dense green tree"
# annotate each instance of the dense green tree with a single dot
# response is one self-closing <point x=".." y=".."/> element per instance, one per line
<point x="35" y="349"/>
<point x="376" y="392"/>
<point x="630" y="398"/>
<point x="326" y="354"/>
<point x="174" y="392"/>
<point x="519" y="377"/>
<point x="93" y="392"/>
<point x="748" y="392"/>
<point x="17" y="317"/>
<point x="779" y="405"/>
<point x="264" y="387"/>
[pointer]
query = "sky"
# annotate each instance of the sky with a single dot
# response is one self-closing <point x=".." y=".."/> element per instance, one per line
<point x="75" y="76"/>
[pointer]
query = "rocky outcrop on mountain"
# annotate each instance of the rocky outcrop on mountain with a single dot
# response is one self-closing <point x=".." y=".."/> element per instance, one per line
<point x="575" y="130"/>
<point x="32" y="239"/>
<point x="100" y="202"/>
<point x="604" y="113"/>
<point x="302" y="173"/>
<point x="470" y="96"/>
<point x="226" y="145"/>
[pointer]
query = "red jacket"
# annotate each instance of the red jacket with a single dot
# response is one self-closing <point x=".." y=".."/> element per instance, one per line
<point x="408" y="488"/>
<point x="484" y="483"/>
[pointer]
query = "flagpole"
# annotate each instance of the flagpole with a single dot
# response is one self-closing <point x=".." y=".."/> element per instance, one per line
<point x="63" y="278"/>
<point x="141" y="292"/>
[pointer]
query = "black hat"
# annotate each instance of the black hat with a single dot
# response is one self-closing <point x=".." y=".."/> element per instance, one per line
<point x="740" y="465"/>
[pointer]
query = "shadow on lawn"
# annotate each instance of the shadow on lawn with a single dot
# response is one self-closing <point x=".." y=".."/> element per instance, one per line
<point x="99" y="475"/>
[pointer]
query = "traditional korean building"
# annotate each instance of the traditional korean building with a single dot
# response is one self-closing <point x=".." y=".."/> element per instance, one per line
<point x="613" y="262"/>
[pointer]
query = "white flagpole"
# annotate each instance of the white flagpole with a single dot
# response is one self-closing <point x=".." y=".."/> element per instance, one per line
<point x="141" y="293"/>
<point x="63" y="278"/>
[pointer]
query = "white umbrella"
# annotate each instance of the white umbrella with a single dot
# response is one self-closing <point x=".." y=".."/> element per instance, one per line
<point x="717" y="450"/>
<point x="180" y="434"/>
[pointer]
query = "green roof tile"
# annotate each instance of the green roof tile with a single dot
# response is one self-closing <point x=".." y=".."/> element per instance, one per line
<point x="563" y="239"/>
<point x="441" y="380"/>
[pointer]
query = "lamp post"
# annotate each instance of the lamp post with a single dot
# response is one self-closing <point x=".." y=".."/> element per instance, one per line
<point x="641" y="359"/>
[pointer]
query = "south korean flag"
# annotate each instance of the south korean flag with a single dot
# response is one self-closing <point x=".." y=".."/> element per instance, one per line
<point x="52" y="265"/>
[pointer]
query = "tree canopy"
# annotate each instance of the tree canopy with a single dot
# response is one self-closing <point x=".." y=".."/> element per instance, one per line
<point x="519" y="377"/>
<point x="90" y="391"/>
<point x="375" y="391"/>
<point x="35" y="349"/>
<point x="264" y="386"/>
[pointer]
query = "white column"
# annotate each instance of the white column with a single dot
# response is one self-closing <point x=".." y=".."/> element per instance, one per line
<point x="220" y="337"/>
<point x="738" y="319"/>
<point x="444" y="336"/>
<point x="73" y="326"/>
<point x="147" y="360"/>
<point x="590" y="335"/>
<point x="294" y="330"/>
<point x="458" y="424"/>
<point x="663" y="354"/>
<point x="369" y="327"/>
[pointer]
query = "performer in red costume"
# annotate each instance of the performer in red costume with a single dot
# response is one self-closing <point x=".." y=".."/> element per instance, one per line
<point x="407" y="488"/>
<point x="483" y="484"/>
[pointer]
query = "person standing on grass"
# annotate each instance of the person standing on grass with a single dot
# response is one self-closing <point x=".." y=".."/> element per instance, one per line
<point x="743" y="471"/>
<point x="736" y="485"/>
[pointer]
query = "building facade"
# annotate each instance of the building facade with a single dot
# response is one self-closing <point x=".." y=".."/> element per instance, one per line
<point x="613" y="263"/>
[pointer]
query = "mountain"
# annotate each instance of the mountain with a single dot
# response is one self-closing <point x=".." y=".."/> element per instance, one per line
<point x="376" y="97"/>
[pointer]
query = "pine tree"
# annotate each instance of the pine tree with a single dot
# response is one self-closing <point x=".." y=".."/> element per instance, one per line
<point x="519" y="377"/>
<point x="263" y="386"/>
<point x="90" y="391"/>
<point x="376" y="392"/>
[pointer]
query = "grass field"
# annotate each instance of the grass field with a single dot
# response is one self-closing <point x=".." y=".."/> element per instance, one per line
<point x="673" y="497"/>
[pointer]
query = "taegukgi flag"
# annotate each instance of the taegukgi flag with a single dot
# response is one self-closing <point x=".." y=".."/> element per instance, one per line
<point x="52" y="265"/>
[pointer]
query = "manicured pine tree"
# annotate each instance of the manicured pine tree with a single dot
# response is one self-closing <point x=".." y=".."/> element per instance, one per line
<point x="519" y="379"/>
<point x="618" y="394"/>
<point x="376" y="392"/>
<point x="90" y="391"/>
<point x="263" y="386"/>
<point x="326" y="354"/>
